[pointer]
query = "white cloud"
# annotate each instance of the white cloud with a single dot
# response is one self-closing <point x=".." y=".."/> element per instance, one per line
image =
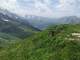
<point x="67" y="7"/>
<point x="37" y="8"/>
<point x="8" y="4"/>
<point x="42" y="7"/>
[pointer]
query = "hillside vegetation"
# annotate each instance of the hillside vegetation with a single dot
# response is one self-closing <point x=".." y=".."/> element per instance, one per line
<point x="60" y="42"/>
<point x="14" y="28"/>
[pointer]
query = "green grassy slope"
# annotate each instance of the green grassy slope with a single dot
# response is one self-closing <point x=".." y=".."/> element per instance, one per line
<point x="56" y="43"/>
<point x="14" y="29"/>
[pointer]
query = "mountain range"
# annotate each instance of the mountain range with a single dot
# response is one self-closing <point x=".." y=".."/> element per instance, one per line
<point x="44" y="22"/>
<point x="22" y="38"/>
<point x="14" y="27"/>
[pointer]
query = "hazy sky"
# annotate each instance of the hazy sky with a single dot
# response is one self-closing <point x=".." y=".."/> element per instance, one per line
<point x="46" y="8"/>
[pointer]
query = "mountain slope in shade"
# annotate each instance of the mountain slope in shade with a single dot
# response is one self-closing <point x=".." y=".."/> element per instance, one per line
<point x="14" y="25"/>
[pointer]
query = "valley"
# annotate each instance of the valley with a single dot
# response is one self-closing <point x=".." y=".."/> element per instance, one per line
<point x="21" y="39"/>
<point x="39" y="29"/>
<point x="14" y="28"/>
<point x="43" y="45"/>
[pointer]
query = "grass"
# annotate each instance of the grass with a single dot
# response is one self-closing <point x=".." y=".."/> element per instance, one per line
<point x="44" y="46"/>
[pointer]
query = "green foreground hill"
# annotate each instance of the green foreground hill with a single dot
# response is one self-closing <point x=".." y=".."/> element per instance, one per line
<point x="61" y="42"/>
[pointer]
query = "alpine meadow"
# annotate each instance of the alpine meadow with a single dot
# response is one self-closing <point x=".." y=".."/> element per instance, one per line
<point x="39" y="29"/>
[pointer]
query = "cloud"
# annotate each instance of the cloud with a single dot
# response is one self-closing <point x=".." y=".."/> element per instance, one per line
<point x="37" y="7"/>
<point x="67" y="8"/>
<point x="46" y="8"/>
<point x="8" y="4"/>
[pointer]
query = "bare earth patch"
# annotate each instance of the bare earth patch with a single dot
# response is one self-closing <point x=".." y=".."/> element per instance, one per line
<point x="74" y="36"/>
